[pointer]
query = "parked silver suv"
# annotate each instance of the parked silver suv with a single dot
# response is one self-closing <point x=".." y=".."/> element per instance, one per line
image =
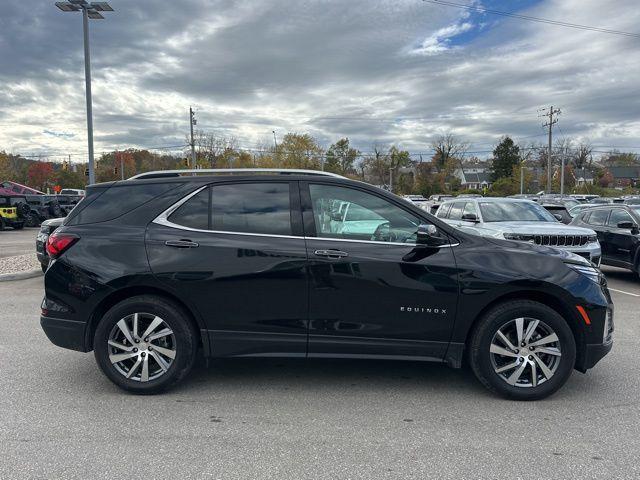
<point x="520" y="220"/>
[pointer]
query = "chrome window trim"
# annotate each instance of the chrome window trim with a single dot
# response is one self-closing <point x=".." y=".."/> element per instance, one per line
<point x="163" y="219"/>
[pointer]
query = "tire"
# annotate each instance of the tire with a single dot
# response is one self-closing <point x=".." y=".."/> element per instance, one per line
<point x="485" y="359"/>
<point x="1" y="224"/>
<point x="32" y="220"/>
<point x="183" y="341"/>
<point x="18" y="226"/>
<point x="55" y="210"/>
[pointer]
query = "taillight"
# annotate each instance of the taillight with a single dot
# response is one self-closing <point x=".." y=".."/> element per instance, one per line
<point x="58" y="243"/>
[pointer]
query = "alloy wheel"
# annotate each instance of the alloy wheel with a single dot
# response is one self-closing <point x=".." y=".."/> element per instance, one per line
<point x="142" y="347"/>
<point x="525" y="352"/>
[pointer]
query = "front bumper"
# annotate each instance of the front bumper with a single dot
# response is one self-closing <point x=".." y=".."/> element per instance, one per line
<point x="65" y="333"/>
<point x="590" y="251"/>
<point x="594" y="353"/>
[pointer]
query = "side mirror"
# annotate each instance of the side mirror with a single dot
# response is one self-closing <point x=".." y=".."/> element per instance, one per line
<point x="428" y="236"/>
<point x="470" y="217"/>
<point x="558" y="216"/>
<point x="629" y="226"/>
<point x="626" y="225"/>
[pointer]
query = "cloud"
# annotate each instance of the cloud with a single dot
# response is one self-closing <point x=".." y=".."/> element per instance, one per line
<point x="378" y="71"/>
<point x="439" y="41"/>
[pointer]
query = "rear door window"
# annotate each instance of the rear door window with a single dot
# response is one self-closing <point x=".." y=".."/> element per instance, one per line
<point x="262" y="208"/>
<point x="259" y="208"/>
<point x="598" y="217"/>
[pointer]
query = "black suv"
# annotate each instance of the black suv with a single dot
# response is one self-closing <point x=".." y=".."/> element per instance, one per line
<point x="147" y="271"/>
<point x="617" y="227"/>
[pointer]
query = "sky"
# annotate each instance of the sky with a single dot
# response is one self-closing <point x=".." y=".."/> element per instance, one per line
<point x="375" y="71"/>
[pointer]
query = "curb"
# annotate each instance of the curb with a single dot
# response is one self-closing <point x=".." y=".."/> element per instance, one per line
<point x="10" y="277"/>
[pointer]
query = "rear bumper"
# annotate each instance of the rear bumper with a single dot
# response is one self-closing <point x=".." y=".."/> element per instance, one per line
<point x="65" y="333"/>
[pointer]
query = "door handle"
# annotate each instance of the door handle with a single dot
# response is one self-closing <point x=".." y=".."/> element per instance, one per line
<point x="331" y="253"/>
<point x="181" y="243"/>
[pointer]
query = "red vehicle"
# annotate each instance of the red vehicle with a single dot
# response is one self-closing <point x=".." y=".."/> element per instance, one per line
<point x="13" y="188"/>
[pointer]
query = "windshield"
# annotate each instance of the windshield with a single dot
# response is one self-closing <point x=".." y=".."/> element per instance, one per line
<point x="514" y="212"/>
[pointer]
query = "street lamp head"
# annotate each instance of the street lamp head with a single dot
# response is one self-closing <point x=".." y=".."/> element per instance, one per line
<point x="67" y="6"/>
<point x="92" y="14"/>
<point x="101" y="7"/>
<point x="93" y="9"/>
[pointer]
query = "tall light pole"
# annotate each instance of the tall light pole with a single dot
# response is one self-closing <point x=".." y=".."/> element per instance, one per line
<point x="275" y="142"/>
<point x="192" y="122"/>
<point x="89" y="11"/>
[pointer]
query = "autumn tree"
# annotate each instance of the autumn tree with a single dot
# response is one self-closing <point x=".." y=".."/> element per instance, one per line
<point x="299" y="151"/>
<point x="40" y="175"/>
<point x="341" y="157"/>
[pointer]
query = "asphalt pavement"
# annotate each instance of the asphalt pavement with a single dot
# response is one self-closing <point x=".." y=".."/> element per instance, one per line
<point x="334" y="419"/>
<point x="17" y="242"/>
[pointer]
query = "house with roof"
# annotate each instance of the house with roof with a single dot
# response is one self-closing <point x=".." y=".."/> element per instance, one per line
<point x="475" y="178"/>
<point x="625" y="176"/>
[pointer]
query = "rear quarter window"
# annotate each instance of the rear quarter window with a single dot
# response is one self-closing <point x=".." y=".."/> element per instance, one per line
<point x="116" y="201"/>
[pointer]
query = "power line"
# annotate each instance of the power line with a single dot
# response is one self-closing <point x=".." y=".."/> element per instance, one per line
<point x="529" y="18"/>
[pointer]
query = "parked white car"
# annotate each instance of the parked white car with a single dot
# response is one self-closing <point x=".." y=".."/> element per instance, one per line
<point x="519" y="220"/>
<point x="418" y="200"/>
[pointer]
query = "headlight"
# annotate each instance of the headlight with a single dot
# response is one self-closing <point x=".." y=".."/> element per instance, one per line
<point x="521" y="237"/>
<point x="593" y="238"/>
<point x="588" y="271"/>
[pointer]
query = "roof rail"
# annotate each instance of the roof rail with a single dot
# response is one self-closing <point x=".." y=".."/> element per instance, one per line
<point x="215" y="171"/>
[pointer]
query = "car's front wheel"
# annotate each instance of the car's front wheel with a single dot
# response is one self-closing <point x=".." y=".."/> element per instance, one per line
<point x="145" y="344"/>
<point x="522" y="350"/>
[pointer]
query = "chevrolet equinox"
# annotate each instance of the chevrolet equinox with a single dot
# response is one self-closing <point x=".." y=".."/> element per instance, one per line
<point x="148" y="271"/>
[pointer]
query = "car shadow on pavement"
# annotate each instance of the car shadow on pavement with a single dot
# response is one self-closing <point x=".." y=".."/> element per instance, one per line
<point x="329" y="374"/>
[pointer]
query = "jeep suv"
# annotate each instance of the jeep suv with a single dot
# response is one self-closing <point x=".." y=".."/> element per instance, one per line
<point x="148" y="271"/>
<point x="13" y="210"/>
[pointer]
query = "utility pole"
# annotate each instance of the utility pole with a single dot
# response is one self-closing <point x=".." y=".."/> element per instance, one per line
<point x="521" y="177"/>
<point x="550" y="124"/>
<point x="391" y="180"/>
<point x="192" y="122"/>
<point x="122" y="166"/>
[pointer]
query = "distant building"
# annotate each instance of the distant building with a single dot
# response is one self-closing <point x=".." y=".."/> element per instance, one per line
<point x="625" y="176"/>
<point x="474" y="178"/>
<point x="583" y="177"/>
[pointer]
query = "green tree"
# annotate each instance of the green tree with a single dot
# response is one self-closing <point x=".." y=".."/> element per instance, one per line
<point x="341" y="157"/>
<point x="506" y="156"/>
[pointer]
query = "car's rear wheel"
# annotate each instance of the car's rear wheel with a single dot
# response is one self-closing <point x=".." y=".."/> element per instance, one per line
<point x="145" y="344"/>
<point x="522" y="350"/>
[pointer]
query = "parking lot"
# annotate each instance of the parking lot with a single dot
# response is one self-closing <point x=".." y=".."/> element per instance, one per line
<point x="273" y="418"/>
<point x="17" y="242"/>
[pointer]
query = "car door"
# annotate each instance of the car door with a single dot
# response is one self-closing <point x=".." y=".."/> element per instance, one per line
<point x="597" y="221"/>
<point x="235" y="251"/>
<point x="620" y="240"/>
<point x="375" y="295"/>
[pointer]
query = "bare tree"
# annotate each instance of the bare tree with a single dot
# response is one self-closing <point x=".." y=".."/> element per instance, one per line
<point x="582" y="155"/>
<point x="211" y="147"/>
<point x="448" y="146"/>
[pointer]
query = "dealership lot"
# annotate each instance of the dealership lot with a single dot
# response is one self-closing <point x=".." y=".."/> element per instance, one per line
<point x="324" y="419"/>
<point x="17" y="242"/>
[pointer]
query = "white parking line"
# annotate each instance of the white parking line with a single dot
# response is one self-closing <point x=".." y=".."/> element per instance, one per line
<point x="626" y="293"/>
